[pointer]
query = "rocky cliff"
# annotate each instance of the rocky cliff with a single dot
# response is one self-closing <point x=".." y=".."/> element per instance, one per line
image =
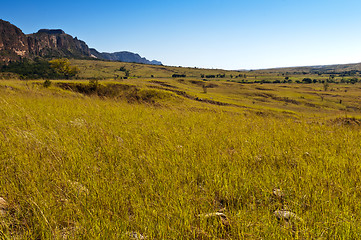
<point x="56" y="43"/>
<point x="15" y="45"/>
<point x="13" y="42"/>
<point x="53" y="43"/>
<point x="123" y="57"/>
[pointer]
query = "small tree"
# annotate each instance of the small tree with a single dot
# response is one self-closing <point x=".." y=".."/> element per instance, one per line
<point x="204" y="88"/>
<point x="325" y="85"/>
<point x="63" y="67"/>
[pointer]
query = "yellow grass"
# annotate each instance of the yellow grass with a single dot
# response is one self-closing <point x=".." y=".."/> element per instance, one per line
<point x="78" y="166"/>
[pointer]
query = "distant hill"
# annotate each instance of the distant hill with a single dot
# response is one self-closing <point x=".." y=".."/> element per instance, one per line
<point x="123" y="57"/>
<point x="320" y="69"/>
<point x="53" y="43"/>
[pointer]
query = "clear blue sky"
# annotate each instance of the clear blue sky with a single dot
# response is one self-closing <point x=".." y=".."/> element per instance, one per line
<point x="229" y="34"/>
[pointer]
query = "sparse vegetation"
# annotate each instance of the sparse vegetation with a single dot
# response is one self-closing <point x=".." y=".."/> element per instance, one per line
<point x="179" y="76"/>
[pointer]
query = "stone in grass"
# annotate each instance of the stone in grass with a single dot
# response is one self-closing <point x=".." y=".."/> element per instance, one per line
<point x="3" y="206"/>
<point x="224" y="219"/>
<point x="80" y="188"/>
<point x="135" y="236"/>
<point x="286" y="215"/>
<point x="278" y="193"/>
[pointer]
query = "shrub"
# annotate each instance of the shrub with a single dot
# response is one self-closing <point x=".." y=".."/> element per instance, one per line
<point x="307" y="80"/>
<point x="47" y="83"/>
<point x="178" y="75"/>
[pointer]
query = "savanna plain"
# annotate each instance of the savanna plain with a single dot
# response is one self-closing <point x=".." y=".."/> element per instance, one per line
<point x="205" y="154"/>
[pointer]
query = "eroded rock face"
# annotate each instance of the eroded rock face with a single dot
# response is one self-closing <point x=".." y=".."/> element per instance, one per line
<point x="53" y="43"/>
<point x="56" y="43"/>
<point x="13" y="42"/>
<point x="15" y="45"/>
<point x="51" y="31"/>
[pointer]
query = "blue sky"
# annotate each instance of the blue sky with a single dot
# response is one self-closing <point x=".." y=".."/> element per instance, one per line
<point x="226" y="34"/>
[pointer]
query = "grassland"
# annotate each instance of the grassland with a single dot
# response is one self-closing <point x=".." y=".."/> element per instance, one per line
<point x="152" y="156"/>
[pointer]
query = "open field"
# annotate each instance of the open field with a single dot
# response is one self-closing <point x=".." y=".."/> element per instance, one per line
<point x="110" y="70"/>
<point x="179" y="158"/>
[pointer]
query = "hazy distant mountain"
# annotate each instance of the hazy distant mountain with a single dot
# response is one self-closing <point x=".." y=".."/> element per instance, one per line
<point x="50" y="43"/>
<point x="123" y="57"/>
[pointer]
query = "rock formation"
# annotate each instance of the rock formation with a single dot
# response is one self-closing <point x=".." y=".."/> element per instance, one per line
<point x="53" y="43"/>
<point x="13" y="42"/>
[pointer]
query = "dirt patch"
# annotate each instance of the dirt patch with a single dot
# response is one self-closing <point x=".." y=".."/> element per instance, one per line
<point x="264" y="89"/>
<point x="214" y="102"/>
<point x="353" y="108"/>
<point x="211" y="85"/>
<point x="164" y="84"/>
<point x="264" y="95"/>
<point x="346" y="121"/>
<point x="287" y="100"/>
<point x="272" y="96"/>
<point x="180" y="93"/>
<point x="311" y="105"/>
<point x="196" y="82"/>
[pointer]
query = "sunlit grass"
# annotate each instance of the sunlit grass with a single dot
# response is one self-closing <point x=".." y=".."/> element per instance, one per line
<point x="84" y="167"/>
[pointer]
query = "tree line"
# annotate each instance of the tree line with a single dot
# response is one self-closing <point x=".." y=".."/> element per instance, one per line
<point x="42" y="69"/>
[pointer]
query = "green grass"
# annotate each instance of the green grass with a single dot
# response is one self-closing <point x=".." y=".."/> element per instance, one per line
<point x="78" y="166"/>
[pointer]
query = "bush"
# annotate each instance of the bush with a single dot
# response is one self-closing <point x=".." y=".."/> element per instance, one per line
<point x="210" y="76"/>
<point x="307" y="80"/>
<point x="47" y="83"/>
<point x="93" y="84"/>
<point x="178" y="75"/>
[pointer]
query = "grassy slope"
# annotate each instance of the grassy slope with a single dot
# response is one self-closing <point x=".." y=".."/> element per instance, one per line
<point x="107" y="69"/>
<point x="309" y="98"/>
<point x="84" y="167"/>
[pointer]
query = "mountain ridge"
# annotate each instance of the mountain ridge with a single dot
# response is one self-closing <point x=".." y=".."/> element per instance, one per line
<point x="53" y="43"/>
<point x="123" y="56"/>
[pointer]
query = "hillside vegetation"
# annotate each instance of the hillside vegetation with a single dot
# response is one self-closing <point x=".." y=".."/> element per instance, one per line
<point x="162" y="157"/>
